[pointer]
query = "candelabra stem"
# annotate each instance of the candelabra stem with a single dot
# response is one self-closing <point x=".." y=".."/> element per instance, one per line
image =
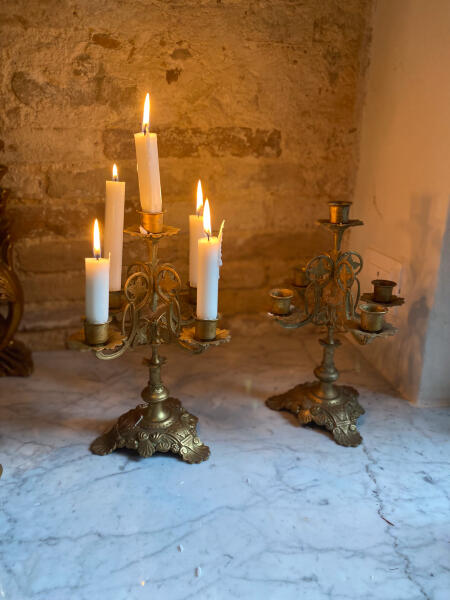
<point x="326" y="372"/>
<point x="332" y="406"/>
<point x="155" y="393"/>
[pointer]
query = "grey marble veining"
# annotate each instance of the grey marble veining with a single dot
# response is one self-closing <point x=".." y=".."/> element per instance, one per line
<point x="278" y="511"/>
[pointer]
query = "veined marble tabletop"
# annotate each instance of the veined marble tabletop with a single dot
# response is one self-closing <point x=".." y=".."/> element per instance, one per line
<point x="278" y="512"/>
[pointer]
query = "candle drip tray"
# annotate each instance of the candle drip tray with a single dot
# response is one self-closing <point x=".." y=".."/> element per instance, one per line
<point x="77" y="341"/>
<point x="395" y="300"/>
<point x="367" y="337"/>
<point x="139" y="231"/>
<point x="187" y="340"/>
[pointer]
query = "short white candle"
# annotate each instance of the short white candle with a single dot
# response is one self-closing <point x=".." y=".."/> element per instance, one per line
<point x="114" y="209"/>
<point x="148" y="165"/>
<point x="196" y="232"/>
<point x="97" y="283"/>
<point x="209" y="254"/>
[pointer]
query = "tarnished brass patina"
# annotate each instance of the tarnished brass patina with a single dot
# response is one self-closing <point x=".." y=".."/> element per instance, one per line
<point x="330" y="299"/>
<point x="96" y="334"/>
<point x="372" y="317"/>
<point x="152" y="315"/>
<point x="205" y="330"/>
<point x="281" y="300"/>
<point x="15" y="358"/>
<point x="382" y="290"/>
<point x="339" y="211"/>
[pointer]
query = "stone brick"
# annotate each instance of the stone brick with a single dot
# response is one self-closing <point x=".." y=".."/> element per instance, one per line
<point x="260" y="100"/>
<point x="106" y="41"/>
<point x="185" y="143"/>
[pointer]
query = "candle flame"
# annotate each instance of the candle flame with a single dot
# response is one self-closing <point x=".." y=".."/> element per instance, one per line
<point x="146" y="117"/>
<point x="115" y="173"/>
<point x="207" y="219"/>
<point x="199" y="197"/>
<point x="97" y="250"/>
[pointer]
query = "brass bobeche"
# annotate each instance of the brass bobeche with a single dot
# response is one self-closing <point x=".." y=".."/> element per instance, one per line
<point x="151" y="314"/>
<point x="330" y="299"/>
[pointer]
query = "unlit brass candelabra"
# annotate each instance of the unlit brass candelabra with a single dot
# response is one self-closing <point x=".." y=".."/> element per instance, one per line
<point x="329" y="291"/>
<point x="150" y="311"/>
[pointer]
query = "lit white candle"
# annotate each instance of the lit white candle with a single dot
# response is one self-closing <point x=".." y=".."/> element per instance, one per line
<point x="114" y="209"/>
<point x="209" y="256"/>
<point x="196" y="232"/>
<point x="97" y="283"/>
<point x="148" y="164"/>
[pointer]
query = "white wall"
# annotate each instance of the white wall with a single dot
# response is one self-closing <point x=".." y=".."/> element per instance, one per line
<point x="403" y="182"/>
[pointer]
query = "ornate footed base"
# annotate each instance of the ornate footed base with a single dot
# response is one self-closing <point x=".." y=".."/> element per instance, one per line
<point x="338" y="415"/>
<point x="177" y="434"/>
<point x="15" y="360"/>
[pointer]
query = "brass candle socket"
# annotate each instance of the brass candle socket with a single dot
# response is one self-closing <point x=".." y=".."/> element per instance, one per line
<point x="96" y="334"/>
<point x="281" y="299"/>
<point x="192" y="295"/>
<point x="300" y="276"/>
<point x="205" y="329"/>
<point x="152" y="222"/>
<point x="115" y="300"/>
<point x="382" y="290"/>
<point x="372" y="317"/>
<point x="339" y="211"/>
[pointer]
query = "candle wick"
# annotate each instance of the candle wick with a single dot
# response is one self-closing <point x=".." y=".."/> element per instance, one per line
<point x="207" y="235"/>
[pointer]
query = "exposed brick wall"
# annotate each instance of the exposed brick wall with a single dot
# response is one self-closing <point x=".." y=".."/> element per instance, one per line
<point x="258" y="98"/>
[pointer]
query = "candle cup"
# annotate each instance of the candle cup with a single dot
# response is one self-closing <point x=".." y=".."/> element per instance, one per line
<point x="281" y="301"/>
<point x="339" y="211"/>
<point x="300" y="276"/>
<point x="96" y="334"/>
<point x="115" y="300"/>
<point x="372" y="317"/>
<point x="382" y="290"/>
<point x="205" y="330"/>
<point x="152" y="222"/>
<point x="192" y="294"/>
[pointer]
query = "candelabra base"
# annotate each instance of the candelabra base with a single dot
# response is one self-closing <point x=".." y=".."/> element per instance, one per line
<point x="15" y="360"/>
<point x="338" y="414"/>
<point x="176" y="434"/>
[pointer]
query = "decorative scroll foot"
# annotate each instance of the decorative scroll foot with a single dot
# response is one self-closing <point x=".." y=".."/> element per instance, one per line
<point x="177" y="434"/>
<point x="338" y="415"/>
<point x="15" y="360"/>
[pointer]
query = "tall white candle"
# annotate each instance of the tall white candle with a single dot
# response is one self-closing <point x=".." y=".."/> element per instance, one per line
<point x="196" y="232"/>
<point x="114" y="209"/>
<point x="208" y="271"/>
<point x="97" y="283"/>
<point x="148" y="164"/>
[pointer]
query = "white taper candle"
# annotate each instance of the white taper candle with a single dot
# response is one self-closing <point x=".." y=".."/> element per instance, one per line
<point x="97" y="283"/>
<point x="148" y="165"/>
<point x="196" y="232"/>
<point x="114" y="210"/>
<point x="208" y="271"/>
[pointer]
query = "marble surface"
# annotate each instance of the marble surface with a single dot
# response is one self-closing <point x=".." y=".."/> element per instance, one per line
<point x="278" y="511"/>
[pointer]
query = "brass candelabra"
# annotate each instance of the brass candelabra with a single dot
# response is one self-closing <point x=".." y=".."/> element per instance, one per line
<point x="329" y="289"/>
<point x="150" y="311"/>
